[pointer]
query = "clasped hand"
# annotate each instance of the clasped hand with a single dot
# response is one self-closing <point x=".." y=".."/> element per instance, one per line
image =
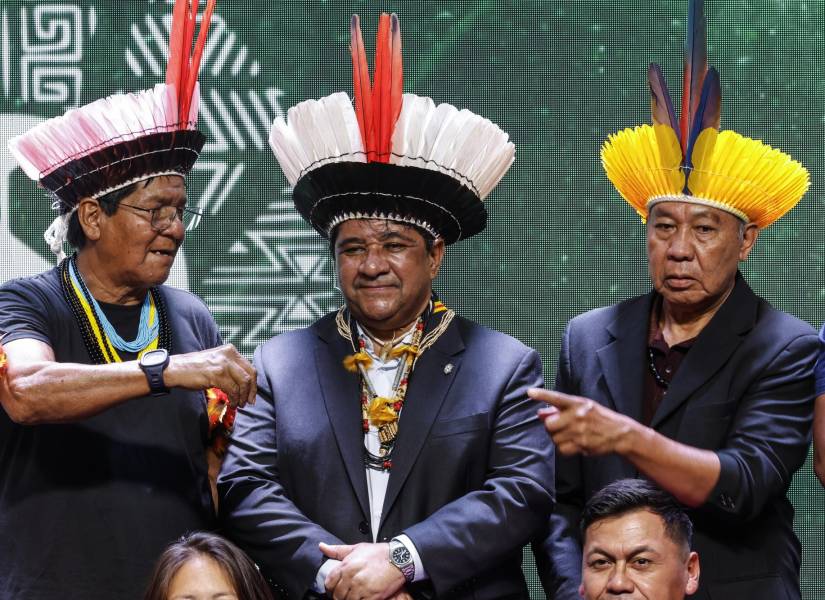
<point x="365" y="573"/>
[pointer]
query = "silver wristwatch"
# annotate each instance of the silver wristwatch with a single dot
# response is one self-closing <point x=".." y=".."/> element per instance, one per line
<point x="402" y="558"/>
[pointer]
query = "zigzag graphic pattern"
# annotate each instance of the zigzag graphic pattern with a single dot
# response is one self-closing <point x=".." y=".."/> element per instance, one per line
<point x="237" y="120"/>
<point x="276" y="275"/>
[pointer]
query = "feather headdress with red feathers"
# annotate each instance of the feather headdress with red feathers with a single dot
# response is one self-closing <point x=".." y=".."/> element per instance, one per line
<point x="113" y="142"/>
<point x="389" y="155"/>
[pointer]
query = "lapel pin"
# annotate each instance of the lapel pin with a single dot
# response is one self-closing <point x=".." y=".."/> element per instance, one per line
<point x="448" y="368"/>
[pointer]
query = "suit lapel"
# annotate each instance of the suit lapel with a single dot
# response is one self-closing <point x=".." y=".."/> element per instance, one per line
<point x="712" y="349"/>
<point x="340" y="389"/>
<point x="624" y="359"/>
<point x="428" y="387"/>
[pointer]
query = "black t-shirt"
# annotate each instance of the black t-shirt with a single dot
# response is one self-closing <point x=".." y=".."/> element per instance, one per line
<point x="87" y="507"/>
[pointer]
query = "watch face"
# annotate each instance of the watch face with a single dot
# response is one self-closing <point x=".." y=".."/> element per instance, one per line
<point x="400" y="555"/>
<point x="153" y="358"/>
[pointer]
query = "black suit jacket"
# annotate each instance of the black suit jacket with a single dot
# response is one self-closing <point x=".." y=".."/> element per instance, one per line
<point x="472" y="477"/>
<point x="745" y="390"/>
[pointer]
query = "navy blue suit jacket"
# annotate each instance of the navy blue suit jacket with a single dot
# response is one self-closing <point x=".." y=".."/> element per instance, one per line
<point x="745" y="390"/>
<point x="472" y="477"/>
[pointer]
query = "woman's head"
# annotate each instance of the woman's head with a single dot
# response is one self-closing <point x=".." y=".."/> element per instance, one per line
<point x="205" y="566"/>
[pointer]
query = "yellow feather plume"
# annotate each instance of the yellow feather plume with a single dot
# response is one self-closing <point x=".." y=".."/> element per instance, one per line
<point x="732" y="172"/>
<point x="749" y="177"/>
<point x="644" y="162"/>
<point x="352" y="361"/>
<point x="381" y="411"/>
<point x="403" y="350"/>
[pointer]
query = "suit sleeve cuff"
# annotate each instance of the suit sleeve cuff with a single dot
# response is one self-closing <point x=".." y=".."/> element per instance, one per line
<point x="420" y="572"/>
<point x="724" y="495"/>
<point x="321" y="577"/>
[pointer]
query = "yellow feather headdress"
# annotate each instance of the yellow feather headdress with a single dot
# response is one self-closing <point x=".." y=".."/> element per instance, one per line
<point x="692" y="161"/>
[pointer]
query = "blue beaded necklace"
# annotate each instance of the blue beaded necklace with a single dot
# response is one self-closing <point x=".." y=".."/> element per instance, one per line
<point x="146" y="332"/>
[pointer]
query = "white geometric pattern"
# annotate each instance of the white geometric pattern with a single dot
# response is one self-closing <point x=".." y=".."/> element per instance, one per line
<point x="276" y="275"/>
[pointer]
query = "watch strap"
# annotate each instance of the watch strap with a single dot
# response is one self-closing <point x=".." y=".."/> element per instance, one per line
<point x="154" y="374"/>
<point x="407" y="568"/>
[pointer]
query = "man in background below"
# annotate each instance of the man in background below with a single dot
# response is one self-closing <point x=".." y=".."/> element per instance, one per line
<point x="637" y="543"/>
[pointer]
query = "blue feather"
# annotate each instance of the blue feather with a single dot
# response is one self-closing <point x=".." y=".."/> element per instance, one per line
<point x="696" y="65"/>
<point x="708" y="113"/>
<point x="661" y="104"/>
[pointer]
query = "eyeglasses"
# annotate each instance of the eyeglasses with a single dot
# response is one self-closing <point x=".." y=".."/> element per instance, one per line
<point x="162" y="217"/>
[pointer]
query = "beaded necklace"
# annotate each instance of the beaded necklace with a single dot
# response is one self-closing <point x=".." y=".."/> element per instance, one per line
<point x="651" y="363"/>
<point x="147" y="327"/>
<point x="381" y="412"/>
<point x="90" y="318"/>
<point x="102" y="350"/>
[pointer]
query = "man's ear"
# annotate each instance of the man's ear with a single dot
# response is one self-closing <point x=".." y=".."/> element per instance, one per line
<point x="436" y="256"/>
<point x="748" y="240"/>
<point x="693" y="574"/>
<point x="89" y="215"/>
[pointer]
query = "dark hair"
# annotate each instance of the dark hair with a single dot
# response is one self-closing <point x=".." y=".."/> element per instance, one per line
<point x="109" y="204"/>
<point x="429" y="240"/>
<point x="245" y="577"/>
<point x="627" y="495"/>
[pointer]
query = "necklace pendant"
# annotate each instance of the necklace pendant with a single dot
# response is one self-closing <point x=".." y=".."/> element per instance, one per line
<point x="387" y="433"/>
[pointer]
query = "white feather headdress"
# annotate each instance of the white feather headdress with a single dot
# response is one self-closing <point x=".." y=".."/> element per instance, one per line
<point x="391" y="155"/>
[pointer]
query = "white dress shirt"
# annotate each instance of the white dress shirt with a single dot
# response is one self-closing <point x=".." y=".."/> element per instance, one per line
<point x="382" y="376"/>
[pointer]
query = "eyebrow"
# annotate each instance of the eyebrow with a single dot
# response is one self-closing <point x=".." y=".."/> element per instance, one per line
<point x="662" y="212"/>
<point x="382" y="237"/>
<point x="635" y="551"/>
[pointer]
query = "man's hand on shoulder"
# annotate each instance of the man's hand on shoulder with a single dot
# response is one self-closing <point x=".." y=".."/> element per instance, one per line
<point x="365" y="572"/>
<point x="222" y="367"/>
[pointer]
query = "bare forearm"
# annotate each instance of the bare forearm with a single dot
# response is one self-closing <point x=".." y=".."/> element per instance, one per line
<point x="689" y="473"/>
<point x="50" y="392"/>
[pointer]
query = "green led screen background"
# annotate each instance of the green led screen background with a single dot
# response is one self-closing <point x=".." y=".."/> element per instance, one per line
<point x="559" y="76"/>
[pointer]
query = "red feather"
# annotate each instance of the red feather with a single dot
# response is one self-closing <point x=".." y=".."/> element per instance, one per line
<point x="188" y="34"/>
<point x="176" y="44"/>
<point x="362" y="90"/>
<point x="195" y="66"/>
<point x="382" y="88"/>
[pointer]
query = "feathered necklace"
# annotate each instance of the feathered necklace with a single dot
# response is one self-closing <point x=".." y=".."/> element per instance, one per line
<point x="385" y="412"/>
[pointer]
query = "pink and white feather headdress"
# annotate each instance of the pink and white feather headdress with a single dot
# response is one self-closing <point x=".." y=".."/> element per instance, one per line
<point x="119" y="140"/>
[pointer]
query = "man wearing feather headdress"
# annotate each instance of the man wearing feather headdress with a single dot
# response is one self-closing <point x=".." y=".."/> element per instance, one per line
<point x="105" y="442"/>
<point x="700" y="385"/>
<point x="393" y="451"/>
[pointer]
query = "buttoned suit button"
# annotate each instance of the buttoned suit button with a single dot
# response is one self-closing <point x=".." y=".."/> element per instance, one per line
<point x="363" y="527"/>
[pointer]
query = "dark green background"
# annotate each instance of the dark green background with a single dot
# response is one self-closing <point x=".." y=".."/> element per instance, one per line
<point x="558" y="76"/>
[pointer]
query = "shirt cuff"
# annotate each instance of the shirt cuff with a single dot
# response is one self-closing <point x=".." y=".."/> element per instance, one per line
<point x="325" y="570"/>
<point x="420" y="573"/>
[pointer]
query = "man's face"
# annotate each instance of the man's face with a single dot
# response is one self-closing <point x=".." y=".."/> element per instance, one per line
<point x="141" y="256"/>
<point x="631" y="557"/>
<point x="385" y="271"/>
<point x="694" y="251"/>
